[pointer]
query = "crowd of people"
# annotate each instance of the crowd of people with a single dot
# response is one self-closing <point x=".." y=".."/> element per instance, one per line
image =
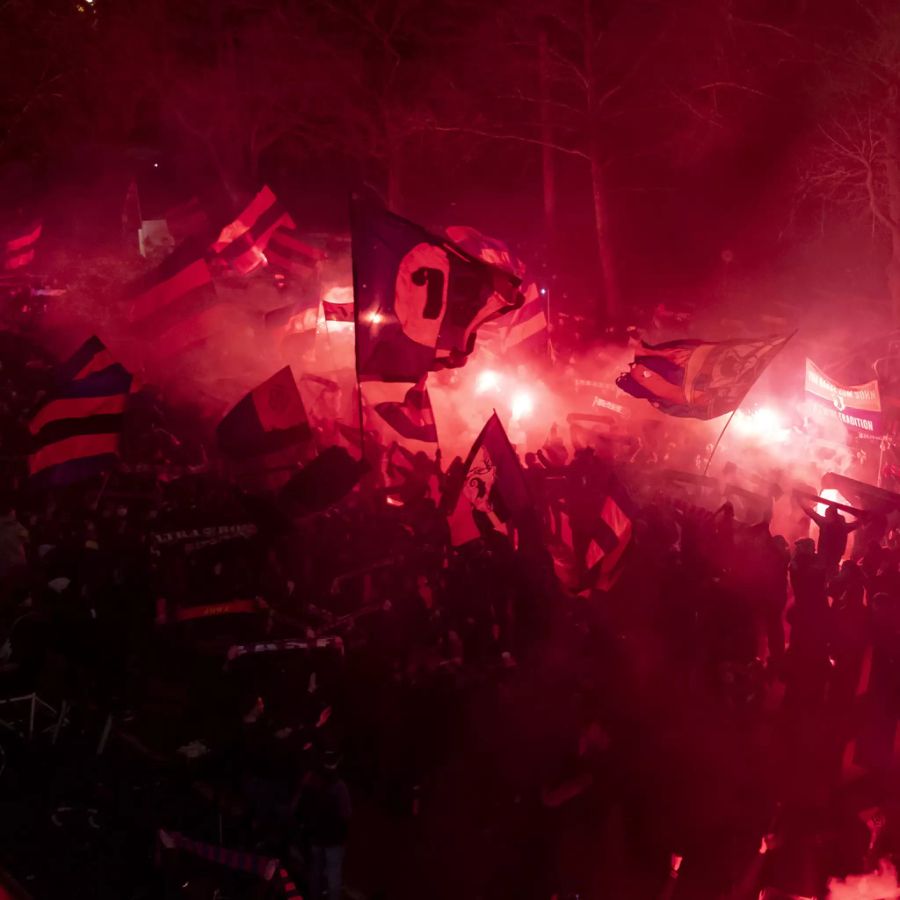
<point x="301" y="681"/>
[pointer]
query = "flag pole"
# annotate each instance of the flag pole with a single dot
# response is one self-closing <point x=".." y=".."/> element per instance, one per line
<point x="722" y="434"/>
<point x="739" y="404"/>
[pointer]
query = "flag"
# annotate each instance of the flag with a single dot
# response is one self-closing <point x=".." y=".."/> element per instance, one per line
<point x="242" y="243"/>
<point x="527" y="327"/>
<point x="18" y="252"/>
<point x="419" y="298"/>
<point x="698" y="379"/>
<point x="607" y="540"/>
<point x="856" y="406"/>
<point x="336" y="311"/>
<point x="290" y="256"/>
<point x="92" y="356"/>
<point x="412" y="418"/>
<point x="188" y="220"/>
<point x="491" y="250"/>
<point x="77" y="432"/>
<point x="172" y="306"/>
<point x="270" y="418"/>
<point x="492" y="490"/>
<point x="611" y="538"/>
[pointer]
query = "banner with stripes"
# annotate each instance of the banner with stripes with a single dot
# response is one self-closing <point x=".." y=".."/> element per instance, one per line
<point x="290" y="256"/>
<point x="243" y="242"/>
<point x="76" y="434"/>
<point x="18" y="252"/>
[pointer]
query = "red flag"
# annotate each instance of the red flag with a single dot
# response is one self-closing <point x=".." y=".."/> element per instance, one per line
<point x="243" y="242"/>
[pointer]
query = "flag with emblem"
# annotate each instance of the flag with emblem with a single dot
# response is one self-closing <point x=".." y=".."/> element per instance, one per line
<point x="18" y="251"/>
<point x="242" y="243"/>
<point x="412" y="418"/>
<point x="419" y="297"/>
<point x="490" y="490"/>
<point x="270" y="418"/>
<point x="698" y="379"/>
<point x="188" y="220"/>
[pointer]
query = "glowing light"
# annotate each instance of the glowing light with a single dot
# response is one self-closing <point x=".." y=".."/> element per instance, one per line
<point x="764" y="424"/>
<point x="522" y="405"/>
<point x="830" y="494"/>
<point x="543" y="292"/>
<point x="338" y="294"/>
<point x="343" y="296"/>
<point x="488" y="380"/>
<point x="376" y="318"/>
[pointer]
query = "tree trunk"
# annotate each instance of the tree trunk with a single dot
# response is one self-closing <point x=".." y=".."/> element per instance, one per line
<point x="606" y="260"/>
<point x="393" y="181"/>
<point x="611" y="300"/>
<point x="547" y="168"/>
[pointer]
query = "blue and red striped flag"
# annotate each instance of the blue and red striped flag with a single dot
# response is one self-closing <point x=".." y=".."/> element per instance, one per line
<point x="92" y="356"/>
<point x="76" y="434"/>
<point x="176" y="306"/>
<point x="242" y="243"/>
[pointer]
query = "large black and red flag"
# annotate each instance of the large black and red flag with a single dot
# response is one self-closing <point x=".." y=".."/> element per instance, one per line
<point x="242" y="243"/>
<point x="698" y="379"/>
<point x="268" y="419"/>
<point x="76" y="434"/>
<point x="18" y="251"/>
<point x="175" y="306"/>
<point x="92" y="356"/>
<point x="491" y="491"/>
<point x="419" y="298"/>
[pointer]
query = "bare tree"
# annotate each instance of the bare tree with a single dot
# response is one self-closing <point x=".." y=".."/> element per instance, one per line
<point x="855" y="160"/>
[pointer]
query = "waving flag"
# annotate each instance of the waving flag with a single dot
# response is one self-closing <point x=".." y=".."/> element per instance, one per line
<point x="243" y="242"/>
<point x="856" y="406"/>
<point x="291" y="256"/>
<point x="173" y="306"/>
<point x="77" y="432"/>
<point x="18" y="252"/>
<point x="419" y="298"/>
<point x="491" y="250"/>
<point x="526" y="328"/>
<point x="698" y="379"/>
<point x="270" y="418"/>
<point x="493" y="489"/>
<point x="413" y="417"/>
<point x="92" y="356"/>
